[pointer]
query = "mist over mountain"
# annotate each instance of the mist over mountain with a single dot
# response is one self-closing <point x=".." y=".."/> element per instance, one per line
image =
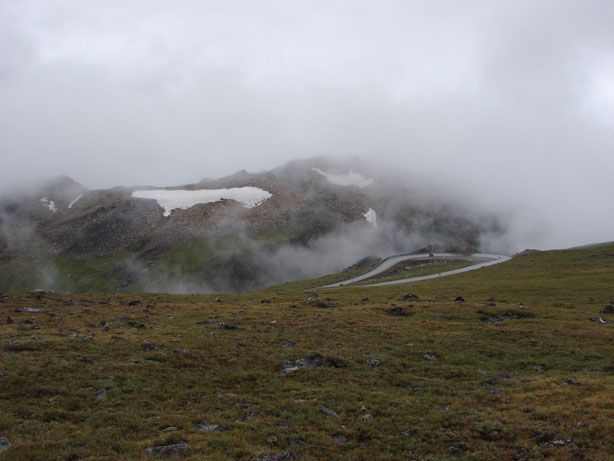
<point x="303" y="219"/>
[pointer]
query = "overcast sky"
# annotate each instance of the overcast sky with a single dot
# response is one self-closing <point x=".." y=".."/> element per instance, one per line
<point x="510" y="99"/>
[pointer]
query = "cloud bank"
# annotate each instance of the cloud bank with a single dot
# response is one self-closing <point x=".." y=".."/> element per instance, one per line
<point x="511" y="101"/>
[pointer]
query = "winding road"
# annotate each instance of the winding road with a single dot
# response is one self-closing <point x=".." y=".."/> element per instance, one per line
<point x="481" y="260"/>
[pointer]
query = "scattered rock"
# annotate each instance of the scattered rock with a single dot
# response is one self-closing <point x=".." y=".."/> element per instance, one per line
<point x="497" y="391"/>
<point x="137" y="324"/>
<point x="85" y="360"/>
<point x="459" y="299"/>
<point x="134" y="302"/>
<point x="285" y="425"/>
<point x="410" y="433"/>
<point x="217" y="300"/>
<point x="28" y="310"/>
<point x="340" y="439"/>
<point x="328" y="412"/>
<point x="183" y="352"/>
<point x="607" y="310"/>
<point x="410" y="297"/>
<point x="496" y="379"/>
<point x="5" y="443"/>
<point x="429" y="357"/>
<point x="206" y="322"/>
<point x="296" y="442"/>
<point x="374" y="363"/>
<point x="170" y="429"/>
<point x="9" y="319"/>
<point x="211" y="428"/>
<point x="580" y="425"/>
<point x="287" y="343"/>
<point x="227" y="395"/>
<point x="227" y="326"/>
<point x="283" y="456"/>
<point x="311" y="361"/>
<point x="244" y="406"/>
<point x="539" y="368"/>
<point x="271" y="440"/>
<point x="397" y="312"/>
<point x="571" y="382"/>
<point x="101" y="394"/>
<point x="491" y="436"/>
<point x="458" y="449"/>
<point x="366" y="418"/>
<point x="78" y="336"/>
<point x="601" y="320"/>
<point x="265" y="301"/>
<point x="561" y="442"/>
<point x="149" y="346"/>
<point x="250" y="415"/>
<point x="169" y="450"/>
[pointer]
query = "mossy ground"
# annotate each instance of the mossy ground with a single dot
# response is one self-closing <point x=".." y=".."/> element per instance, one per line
<point x="557" y="403"/>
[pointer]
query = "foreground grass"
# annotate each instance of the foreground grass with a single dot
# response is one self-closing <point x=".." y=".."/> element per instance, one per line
<point x="520" y="371"/>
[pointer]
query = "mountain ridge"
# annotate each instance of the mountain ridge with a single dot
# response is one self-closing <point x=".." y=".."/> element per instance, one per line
<point x="231" y="246"/>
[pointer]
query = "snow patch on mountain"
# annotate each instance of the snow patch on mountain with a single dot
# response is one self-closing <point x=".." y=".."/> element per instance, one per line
<point x="349" y="179"/>
<point x="70" y="205"/>
<point x="371" y="216"/>
<point x="50" y="204"/>
<point x="170" y="200"/>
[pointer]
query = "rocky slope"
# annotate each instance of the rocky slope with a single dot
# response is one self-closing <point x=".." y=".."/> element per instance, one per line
<point x="310" y="217"/>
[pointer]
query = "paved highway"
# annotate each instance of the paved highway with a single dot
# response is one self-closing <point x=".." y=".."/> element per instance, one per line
<point x="481" y="260"/>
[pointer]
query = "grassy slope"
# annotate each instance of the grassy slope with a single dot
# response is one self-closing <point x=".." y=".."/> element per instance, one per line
<point x="196" y="258"/>
<point x="49" y="409"/>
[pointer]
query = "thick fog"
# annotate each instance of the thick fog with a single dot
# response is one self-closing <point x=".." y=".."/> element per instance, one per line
<point x="511" y="102"/>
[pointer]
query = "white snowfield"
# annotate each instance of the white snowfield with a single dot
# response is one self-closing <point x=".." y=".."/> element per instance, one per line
<point x="371" y="216"/>
<point x="50" y="204"/>
<point x="70" y="205"/>
<point x="170" y="200"/>
<point x="349" y="179"/>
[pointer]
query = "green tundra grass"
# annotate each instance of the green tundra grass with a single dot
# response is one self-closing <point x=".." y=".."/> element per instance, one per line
<point x="517" y="371"/>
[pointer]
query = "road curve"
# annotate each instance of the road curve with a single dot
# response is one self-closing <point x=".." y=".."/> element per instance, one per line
<point x="481" y="260"/>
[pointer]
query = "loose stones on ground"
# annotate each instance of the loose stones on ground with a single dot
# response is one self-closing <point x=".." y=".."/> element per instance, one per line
<point x="169" y="450"/>
<point x="149" y="346"/>
<point x="211" y="428"/>
<point x="311" y="361"/>
<point x="5" y="444"/>
<point x="328" y="412"/>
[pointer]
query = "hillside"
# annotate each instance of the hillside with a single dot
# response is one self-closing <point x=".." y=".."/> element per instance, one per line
<point x="248" y="230"/>
<point x="522" y="369"/>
